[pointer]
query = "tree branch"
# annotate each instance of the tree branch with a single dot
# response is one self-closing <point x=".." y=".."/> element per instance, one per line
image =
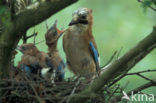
<point x="126" y="74"/>
<point x="125" y="63"/>
<point x="31" y="16"/>
<point x="147" y="5"/>
<point x="144" y="77"/>
<point x="39" y="11"/>
<point x="136" y="90"/>
<point x="144" y="71"/>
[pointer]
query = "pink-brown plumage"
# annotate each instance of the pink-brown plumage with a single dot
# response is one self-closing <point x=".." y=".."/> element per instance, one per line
<point x="51" y="37"/>
<point x="76" y="44"/>
<point x="31" y="55"/>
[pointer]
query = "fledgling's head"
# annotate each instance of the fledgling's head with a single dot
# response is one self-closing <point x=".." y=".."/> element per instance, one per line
<point x="29" y="49"/>
<point x="82" y="16"/>
<point x="53" y="34"/>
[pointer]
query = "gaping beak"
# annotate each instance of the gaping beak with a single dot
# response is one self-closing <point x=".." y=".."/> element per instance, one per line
<point x="60" y="32"/>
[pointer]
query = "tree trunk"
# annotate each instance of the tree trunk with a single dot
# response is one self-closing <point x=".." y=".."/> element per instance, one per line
<point x="8" y="42"/>
<point x="4" y="61"/>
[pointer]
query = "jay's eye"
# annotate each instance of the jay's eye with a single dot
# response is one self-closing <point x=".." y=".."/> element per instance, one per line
<point x="83" y="16"/>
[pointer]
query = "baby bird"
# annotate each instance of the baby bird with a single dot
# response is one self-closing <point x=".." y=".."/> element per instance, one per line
<point x="51" y="38"/>
<point x="33" y="60"/>
<point x="79" y="44"/>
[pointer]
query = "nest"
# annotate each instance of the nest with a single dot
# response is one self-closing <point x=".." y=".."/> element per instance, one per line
<point x="26" y="90"/>
<point x="23" y="88"/>
<point x="31" y="91"/>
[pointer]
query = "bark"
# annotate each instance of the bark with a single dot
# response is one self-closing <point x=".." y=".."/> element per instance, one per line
<point x="118" y="67"/>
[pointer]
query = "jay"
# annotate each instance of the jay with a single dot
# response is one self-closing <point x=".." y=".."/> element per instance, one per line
<point x="51" y="37"/>
<point x="33" y="60"/>
<point x="80" y="46"/>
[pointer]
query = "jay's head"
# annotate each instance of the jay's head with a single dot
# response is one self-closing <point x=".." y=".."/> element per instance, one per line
<point x="29" y="49"/>
<point x="53" y="34"/>
<point x="82" y="16"/>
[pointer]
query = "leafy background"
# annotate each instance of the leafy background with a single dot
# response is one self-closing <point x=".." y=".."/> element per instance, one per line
<point x="117" y="24"/>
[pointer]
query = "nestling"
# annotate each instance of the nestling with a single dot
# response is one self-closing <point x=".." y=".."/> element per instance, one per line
<point x="33" y="60"/>
<point x="51" y="37"/>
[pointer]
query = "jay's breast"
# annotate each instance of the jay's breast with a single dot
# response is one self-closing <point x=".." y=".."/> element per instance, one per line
<point x="79" y="57"/>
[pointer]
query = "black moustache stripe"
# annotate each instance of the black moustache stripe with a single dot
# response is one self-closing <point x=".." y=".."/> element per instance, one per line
<point x="83" y="22"/>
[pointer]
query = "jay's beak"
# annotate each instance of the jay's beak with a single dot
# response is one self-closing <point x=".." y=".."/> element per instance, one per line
<point x="74" y="21"/>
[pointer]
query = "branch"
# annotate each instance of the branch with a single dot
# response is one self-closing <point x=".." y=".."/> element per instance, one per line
<point x="125" y="63"/>
<point x="136" y="90"/>
<point x="29" y="17"/>
<point x="112" y="57"/>
<point x="39" y="11"/>
<point x="126" y="74"/>
<point x="73" y="91"/>
<point x="144" y="71"/>
<point x="144" y="77"/>
<point x="147" y="5"/>
<point x="32" y="35"/>
<point x="117" y="79"/>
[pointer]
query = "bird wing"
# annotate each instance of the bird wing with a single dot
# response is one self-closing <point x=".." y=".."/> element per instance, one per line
<point x="95" y="46"/>
<point x="50" y="67"/>
<point x="49" y="64"/>
<point x="95" y="55"/>
<point x="29" y="64"/>
<point x="25" y="68"/>
<point x="60" y="69"/>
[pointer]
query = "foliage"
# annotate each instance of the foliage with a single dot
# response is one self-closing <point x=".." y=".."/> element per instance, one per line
<point x="147" y="3"/>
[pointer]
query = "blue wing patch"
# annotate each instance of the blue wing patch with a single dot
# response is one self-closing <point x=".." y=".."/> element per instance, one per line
<point x="61" y="71"/>
<point x="94" y="52"/>
<point x="95" y="55"/>
<point x="49" y="64"/>
<point x="25" y="68"/>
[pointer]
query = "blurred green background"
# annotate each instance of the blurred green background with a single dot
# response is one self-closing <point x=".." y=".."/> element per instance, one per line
<point x="117" y="23"/>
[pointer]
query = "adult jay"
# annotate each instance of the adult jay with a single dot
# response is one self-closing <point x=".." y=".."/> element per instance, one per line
<point x="80" y="46"/>
<point x="51" y="37"/>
